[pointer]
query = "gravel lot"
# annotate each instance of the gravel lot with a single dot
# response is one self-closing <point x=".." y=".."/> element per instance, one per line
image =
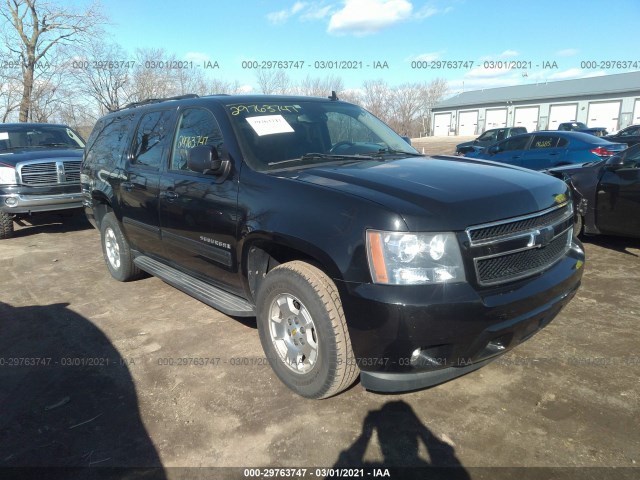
<point x="119" y="388"/>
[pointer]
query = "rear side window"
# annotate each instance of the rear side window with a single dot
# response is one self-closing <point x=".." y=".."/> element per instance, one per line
<point x="632" y="158"/>
<point x="151" y="137"/>
<point x="108" y="140"/>
<point x="195" y="127"/>
<point x="631" y="131"/>
<point x="515" y="143"/>
<point x="544" y="141"/>
<point x="489" y="135"/>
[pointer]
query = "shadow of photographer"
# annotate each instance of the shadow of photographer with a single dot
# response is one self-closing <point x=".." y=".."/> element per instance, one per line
<point x="400" y="434"/>
<point x="67" y="398"/>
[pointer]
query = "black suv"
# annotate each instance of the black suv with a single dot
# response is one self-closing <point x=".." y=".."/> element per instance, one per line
<point x="355" y="253"/>
<point x="39" y="170"/>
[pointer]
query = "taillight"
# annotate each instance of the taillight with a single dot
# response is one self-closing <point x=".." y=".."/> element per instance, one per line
<point x="602" y="152"/>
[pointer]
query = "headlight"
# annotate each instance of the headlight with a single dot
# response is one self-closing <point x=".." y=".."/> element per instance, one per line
<point x="414" y="258"/>
<point x="7" y="175"/>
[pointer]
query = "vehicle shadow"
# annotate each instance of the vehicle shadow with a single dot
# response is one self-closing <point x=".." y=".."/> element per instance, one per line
<point x="67" y="398"/>
<point x="55" y="222"/>
<point x="400" y="434"/>
<point x="618" y="244"/>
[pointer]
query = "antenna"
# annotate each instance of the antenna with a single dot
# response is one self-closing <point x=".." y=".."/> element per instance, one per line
<point x="333" y="96"/>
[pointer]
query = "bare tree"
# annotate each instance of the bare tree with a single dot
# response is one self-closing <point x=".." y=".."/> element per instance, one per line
<point x="320" y="86"/>
<point x="433" y="92"/>
<point x="9" y="83"/>
<point x="273" y="81"/>
<point x="103" y="72"/>
<point x="377" y="98"/>
<point x="34" y="29"/>
<point x="217" y="85"/>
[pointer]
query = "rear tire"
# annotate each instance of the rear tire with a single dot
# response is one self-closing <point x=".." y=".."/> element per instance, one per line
<point x="6" y="225"/>
<point x="303" y="331"/>
<point x="116" y="251"/>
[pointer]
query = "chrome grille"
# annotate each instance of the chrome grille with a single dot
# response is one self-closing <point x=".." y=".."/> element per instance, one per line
<point x="72" y="171"/>
<point x="513" y="265"/>
<point x="493" y="232"/>
<point x="519" y="247"/>
<point x="47" y="172"/>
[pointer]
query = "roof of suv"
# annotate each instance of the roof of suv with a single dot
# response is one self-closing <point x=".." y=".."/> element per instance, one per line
<point x="224" y="99"/>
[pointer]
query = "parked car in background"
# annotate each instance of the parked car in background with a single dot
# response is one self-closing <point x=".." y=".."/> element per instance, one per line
<point x="629" y="135"/>
<point x="488" y="138"/>
<point x="581" y="127"/>
<point x="39" y="171"/>
<point x="548" y="149"/>
<point x="606" y="194"/>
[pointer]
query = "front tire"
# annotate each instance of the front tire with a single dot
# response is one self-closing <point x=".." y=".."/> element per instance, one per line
<point x="6" y="225"/>
<point x="303" y="331"/>
<point x="116" y="250"/>
<point x="578" y="225"/>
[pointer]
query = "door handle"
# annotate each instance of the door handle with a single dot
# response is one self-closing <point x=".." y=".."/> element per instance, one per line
<point x="128" y="186"/>
<point x="169" y="195"/>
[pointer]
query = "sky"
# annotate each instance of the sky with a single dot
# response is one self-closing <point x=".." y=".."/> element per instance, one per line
<point x="488" y="43"/>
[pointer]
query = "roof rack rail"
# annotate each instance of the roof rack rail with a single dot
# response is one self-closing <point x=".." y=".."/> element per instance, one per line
<point x="157" y="100"/>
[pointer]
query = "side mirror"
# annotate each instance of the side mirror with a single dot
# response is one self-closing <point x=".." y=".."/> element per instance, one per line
<point x="204" y="159"/>
<point x="615" y="162"/>
<point x="407" y="139"/>
<point x="493" y="150"/>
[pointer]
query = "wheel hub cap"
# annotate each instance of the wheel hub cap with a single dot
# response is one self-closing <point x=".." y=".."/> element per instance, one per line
<point x="293" y="333"/>
<point x="112" y="248"/>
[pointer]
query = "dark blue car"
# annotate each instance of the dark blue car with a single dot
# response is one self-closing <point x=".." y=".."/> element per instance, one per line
<point x="548" y="149"/>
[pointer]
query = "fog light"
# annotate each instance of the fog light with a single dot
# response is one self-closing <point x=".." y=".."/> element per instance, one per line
<point x="11" y="201"/>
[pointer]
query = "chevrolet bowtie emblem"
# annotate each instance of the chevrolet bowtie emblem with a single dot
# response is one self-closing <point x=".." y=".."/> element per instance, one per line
<point x="541" y="238"/>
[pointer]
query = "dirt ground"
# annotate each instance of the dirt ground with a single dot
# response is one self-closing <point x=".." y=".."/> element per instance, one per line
<point x="99" y="373"/>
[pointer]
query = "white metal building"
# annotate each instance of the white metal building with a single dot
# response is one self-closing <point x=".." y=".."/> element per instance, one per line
<point x="610" y="101"/>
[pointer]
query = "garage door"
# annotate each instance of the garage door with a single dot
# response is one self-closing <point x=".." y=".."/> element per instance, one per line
<point x="468" y="123"/>
<point x="496" y="118"/>
<point x="526" y="117"/>
<point x="604" y="114"/>
<point x="441" y="124"/>
<point x="562" y="113"/>
<point x="636" y="113"/>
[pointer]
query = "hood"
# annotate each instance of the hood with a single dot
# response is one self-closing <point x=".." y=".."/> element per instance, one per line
<point x="466" y="144"/>
<point x="574" y="168"/>
<point x="12" y="157"/>
<point x="441" y="193"/>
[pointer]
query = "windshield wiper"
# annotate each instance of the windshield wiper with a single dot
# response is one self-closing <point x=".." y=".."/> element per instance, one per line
<point x="55" y="145"/>
<point x="391" y="151"/>
<point x="322" y="156"/>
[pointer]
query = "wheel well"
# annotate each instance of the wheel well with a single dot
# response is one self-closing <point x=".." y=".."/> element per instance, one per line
<point x="101" y="208"/>
<point x="263" y="258"/>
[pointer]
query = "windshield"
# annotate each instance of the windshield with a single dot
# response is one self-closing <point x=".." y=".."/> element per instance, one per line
<point x="281" y="134"/>
<point x="38" y="136"/>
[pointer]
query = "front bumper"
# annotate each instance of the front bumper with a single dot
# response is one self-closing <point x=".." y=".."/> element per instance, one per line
<point x="18" y="200"/>
<point x="412" y="337"/>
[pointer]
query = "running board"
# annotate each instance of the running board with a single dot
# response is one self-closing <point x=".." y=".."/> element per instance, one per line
<point x="214" y="297"/>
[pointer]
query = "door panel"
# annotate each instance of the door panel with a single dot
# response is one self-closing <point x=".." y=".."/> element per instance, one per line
<point x="544" y="152"/>
<point x="140" y="189"/>
<point x="198" y="212"/>
<point x="618" y="199"/>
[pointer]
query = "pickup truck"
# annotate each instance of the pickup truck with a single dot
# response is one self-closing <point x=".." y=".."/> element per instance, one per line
<point x="488" y="138"/>
<point x="581" y="127"/>
<point x="357" y="255"/>
<point x="39" y="171"/>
